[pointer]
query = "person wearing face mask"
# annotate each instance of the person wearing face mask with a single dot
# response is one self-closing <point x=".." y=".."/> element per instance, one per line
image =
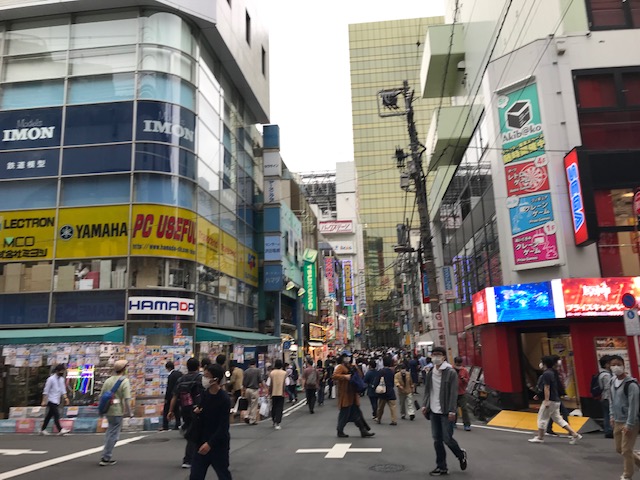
<point x="440" y="405"/>
<point x="55" y="391"/>
<point x="348" y="398"/>
<point x="623" y="410"/>
<point x="186" y="394"/>
<point x="212" y="438"/>
<point x="550" y="407"/>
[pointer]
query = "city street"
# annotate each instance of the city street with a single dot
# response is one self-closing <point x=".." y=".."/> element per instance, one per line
<point x="259" y="452"/>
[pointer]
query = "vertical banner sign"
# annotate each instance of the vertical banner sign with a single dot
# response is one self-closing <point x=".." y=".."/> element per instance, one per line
<point x="310" y="297"/>
<point x="425" y="285"/>
<point x="347" y="278"/>
<point x="329" y="273"/>
<point x="533" y="226"/>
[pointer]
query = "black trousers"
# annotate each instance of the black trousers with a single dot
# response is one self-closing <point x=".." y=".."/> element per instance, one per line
<point x="165" y="412"/>
<point x="217" y="458"/>
<point x="191" y="449"/>
<point x="348" y="414"/>
<point x="53" y="411"/>
<point x="311" y="398"/>
<point x="277" y="406"/>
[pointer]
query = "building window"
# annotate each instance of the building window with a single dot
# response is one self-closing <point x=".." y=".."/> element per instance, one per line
<point x="20" y="195"/>
<point x="264" y="62"/>
<point x="164" y="189"/>
<point x="149" y="272"/>
<point x="95" y="190"/>
<point x="247" y="22"/>
<point x="32" y="95"/>
<point x="90" y="274"/>
<point x="613" y="14"/>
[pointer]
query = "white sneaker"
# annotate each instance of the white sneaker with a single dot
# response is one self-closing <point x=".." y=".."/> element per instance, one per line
<point x="64" y="431"/>
<point x="536" y="440"/>
<point x="278" y="427"/>
<point x="44" y="432"/>
<point x="575" y="439"/>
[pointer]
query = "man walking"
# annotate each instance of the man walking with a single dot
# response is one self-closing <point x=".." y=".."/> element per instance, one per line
<point x="251" y="384"/>
<point x="277" y="384"/>
<point x="348" y="399"/>
<point x="186" y="395"/>
<point x="604" y="380"/>
<point x="440" y="405"/>
<point x="121" y="405"/>
<point x="463" y="382"/>
<point x="172" y="381"/>
<point x="55" y="391"/>
<point x="310" y="384"/>
<point x="550" y="407"/>
<point x="624" y="399"/>
<point x="404" y="383"/>
<point x="386" y="378"/>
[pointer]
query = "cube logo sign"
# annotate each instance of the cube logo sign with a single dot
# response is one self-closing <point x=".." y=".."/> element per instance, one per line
<point x="519" y="114"/>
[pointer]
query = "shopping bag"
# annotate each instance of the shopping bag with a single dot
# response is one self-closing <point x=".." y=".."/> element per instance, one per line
<point x="243" y="404"/>
<point x="264" y="407"/>
<point x="410" y="407"/>
<point x="234" y="410"/>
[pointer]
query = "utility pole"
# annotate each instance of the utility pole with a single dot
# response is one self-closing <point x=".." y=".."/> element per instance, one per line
<point x="390" y="108"/>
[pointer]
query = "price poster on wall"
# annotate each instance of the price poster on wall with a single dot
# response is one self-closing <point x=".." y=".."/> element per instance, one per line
<point x="612" y="346"/>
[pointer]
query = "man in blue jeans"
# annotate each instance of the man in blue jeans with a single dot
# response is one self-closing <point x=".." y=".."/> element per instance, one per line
<point x="440" y="405"/>
<point x="120" y="406"/>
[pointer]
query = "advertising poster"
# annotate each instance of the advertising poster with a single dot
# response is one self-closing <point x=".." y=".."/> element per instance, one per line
<point x="347" y="276"/>
<point x="612" y="346"/>
<point x="597" y="296"/>
<point x="93" y="232"/>
<point x="329" y="273"/>
<point x="527" y="301"/>
<point x="163" y="231"/>
<point x="27" y="235"/>
<point x="533" y="228"/>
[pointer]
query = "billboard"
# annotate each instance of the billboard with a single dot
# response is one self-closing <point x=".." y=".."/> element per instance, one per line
<point x="584" y="297"/>
<point x="27" y="235"/>
<point x="526" y="301"/>
<point x="336" y="226"/>
<point x="531" y="217"/>
<point x="90" y="232"/>
<point x="347" y="279"/>
<point x="163" y="231"/>
<point x="161" y="306"/>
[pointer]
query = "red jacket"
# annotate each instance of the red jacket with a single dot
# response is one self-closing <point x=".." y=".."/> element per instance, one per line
<point x="463" y="380"/>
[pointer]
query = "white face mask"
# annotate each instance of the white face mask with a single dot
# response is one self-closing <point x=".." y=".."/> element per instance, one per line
<point x="206" y="382"/>
<point x="617" y="370"/>
<point x="541" y="366"/>
<point x="438" y="360"/>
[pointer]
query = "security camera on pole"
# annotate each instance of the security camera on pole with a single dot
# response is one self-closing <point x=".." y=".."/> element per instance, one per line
<point x="632" y="321"/>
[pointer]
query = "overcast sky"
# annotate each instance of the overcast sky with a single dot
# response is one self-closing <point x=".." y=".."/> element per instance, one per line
<point x="310" y="82"/>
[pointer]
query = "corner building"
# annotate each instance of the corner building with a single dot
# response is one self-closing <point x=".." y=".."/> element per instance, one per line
<point x="127" y="168"/>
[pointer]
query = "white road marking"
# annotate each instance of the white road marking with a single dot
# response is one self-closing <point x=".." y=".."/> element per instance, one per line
<point x="14" y="452"/>
<point x="65" y="458"/>
<point x="339" y="450"/>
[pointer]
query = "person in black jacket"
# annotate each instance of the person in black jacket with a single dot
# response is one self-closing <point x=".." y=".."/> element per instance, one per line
<point x="186" y="395"/>
<point x="389" y="395"/>
<point x="370" y="379"/>
<point x="214" y="438"/>
<point x="174" y="376"/>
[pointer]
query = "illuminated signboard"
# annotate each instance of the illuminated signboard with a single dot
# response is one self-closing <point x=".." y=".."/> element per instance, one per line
<point x="595" y="297"/>
<point x="347" y="276"/>
<point x="526" y="301"/>
<point x="576" y="198"/>
<point x="484" y="307"/>
<point x="316" y="332"/>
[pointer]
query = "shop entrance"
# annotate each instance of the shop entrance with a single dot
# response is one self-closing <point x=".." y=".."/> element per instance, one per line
<point x="535" y="345"/>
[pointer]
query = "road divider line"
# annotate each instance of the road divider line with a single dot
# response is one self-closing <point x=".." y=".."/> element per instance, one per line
<point x="65" y="458"/>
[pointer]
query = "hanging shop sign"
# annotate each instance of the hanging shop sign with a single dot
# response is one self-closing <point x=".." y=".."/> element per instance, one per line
<point x="329" y="273"/>
<point x="163" y="231"/>
<point x="347" y="280"/>
<point x="316" y="333"/>
<point x="581" y="205"/>
<point x="91" y="232"/>
<point x="533" y="226"/>
<point x="27" y="234"/>
<point x="309" y="278"/>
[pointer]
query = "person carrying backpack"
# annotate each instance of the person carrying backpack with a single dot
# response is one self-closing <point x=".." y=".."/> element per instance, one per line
<point x="600" y="390"/>
<point x="187" y="395"/>
<point x="623" y="413"/>
<point x="310" y="384"/>
<point x="120" y="404"/>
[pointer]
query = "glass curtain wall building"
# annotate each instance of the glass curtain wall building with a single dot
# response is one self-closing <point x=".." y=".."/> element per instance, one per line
<point x="383" y="55"/>
<point x="127" y="176"/>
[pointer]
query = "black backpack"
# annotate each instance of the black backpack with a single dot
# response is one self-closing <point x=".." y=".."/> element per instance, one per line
<point x="189" y="390"/>
<point x="596" y="388"/>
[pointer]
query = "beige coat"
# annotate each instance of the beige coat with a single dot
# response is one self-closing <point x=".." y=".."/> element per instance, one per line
<point x="405" y="387"/>
<point x="347" y="395"/>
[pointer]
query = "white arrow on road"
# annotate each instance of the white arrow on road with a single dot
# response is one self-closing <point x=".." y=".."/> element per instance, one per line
<point x="14" y="452"/>
<point x="339" y="450"/>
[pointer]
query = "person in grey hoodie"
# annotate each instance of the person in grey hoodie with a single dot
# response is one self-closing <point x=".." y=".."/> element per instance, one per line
<point x="623" y="411"/>
<point x="440" y="405"/>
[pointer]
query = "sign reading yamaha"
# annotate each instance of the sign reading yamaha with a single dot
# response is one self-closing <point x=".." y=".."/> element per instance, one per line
<point x="162" y="306"/>
<point x="163" y="122"/>
<point x="30" y="128"/>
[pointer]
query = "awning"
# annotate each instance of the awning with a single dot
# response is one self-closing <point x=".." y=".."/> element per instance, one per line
<point x="234" y="336"/>
<point x="58" y="335"/>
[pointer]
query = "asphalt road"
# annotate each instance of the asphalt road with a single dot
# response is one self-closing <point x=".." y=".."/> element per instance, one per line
<point x="261" y="453"/>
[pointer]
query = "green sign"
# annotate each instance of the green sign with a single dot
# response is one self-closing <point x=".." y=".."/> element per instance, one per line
<point x="310" y="286"/>
<point x="520" y="125"/>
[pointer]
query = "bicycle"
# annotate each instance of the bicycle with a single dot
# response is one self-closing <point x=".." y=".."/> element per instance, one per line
<point x="485" y="401"/>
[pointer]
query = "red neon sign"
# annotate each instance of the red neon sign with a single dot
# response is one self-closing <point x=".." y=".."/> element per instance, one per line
<point x="595" y="297"/>
<point x="576" y="199"/>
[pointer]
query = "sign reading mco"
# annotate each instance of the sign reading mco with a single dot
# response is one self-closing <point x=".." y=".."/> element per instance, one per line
<point x="162" y="306"/>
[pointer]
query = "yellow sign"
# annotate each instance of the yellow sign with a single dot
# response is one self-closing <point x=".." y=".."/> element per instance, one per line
<point x="27" y="235"/>
<point x="163" y="231"/>
<point x="93" y="232"/>
<point x="208" y="244"/>
<point x="228" y="263"/>
<point x="247" y="268"/>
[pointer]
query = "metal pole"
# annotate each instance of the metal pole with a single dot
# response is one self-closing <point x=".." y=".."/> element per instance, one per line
<point x="417" y="174"/>
<point x="277" y="322"/>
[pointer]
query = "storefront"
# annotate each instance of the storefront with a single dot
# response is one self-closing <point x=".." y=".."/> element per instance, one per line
<point x="317" y="347"/>
<point x="579" y="320"/>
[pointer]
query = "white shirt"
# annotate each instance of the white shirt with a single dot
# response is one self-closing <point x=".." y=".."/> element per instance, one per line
<point x="55" y="388"/>
<point x="434" y="398"/>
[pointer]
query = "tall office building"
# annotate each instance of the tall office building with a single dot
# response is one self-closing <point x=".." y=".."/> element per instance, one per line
<point x="383" y="55"/>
